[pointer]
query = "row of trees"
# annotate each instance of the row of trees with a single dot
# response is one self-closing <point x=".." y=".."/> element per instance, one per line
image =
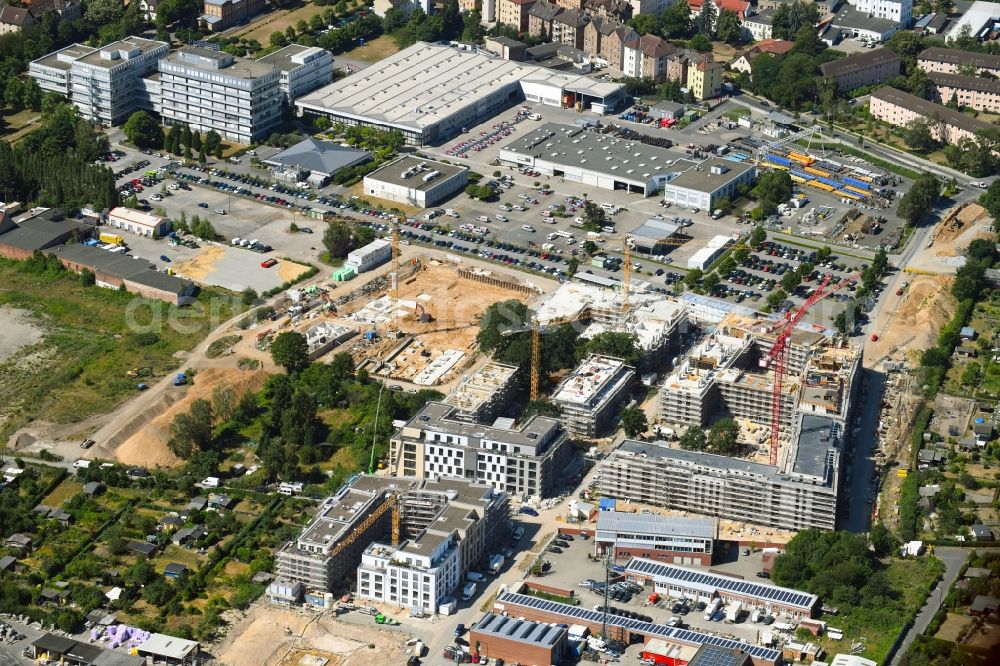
<point x="920" y="198"/>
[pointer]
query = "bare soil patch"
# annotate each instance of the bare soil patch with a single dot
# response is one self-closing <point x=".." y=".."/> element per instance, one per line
<point x="925" y="307"/>
<point x="19" y="330"/>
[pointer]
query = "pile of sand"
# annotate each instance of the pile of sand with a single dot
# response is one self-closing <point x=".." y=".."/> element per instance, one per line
<point x="148" y="447"/>
<point x="926" y="306"/>
<point x="959" y="228"/>
<point x="202" y="264"/>
<point x="289" y="270"/>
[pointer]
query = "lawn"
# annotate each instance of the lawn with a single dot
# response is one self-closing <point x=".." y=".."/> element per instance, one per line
<point x="373" y="51"/>
<point x="14" y="123"/>
<point x="62" y="492"/>
<point x="185" y="556"/>
<point x="278" y="21"/>
<point x="93" y="337"/>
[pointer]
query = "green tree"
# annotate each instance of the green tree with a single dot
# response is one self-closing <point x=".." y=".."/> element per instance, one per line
<point x="990" y="200"/>
<point x="593" y="216"/>
<point x="693" y="439"/>
<point x="917" y="135"/>
<point x="143" y="131"/>
<point x="634" y="421"/>
<point x="773" y="188"/>
<point x="775" y="298"/>
<point x="645" y="24"/>
<point x="472" y="27"/>
<point x="337" y="239"/>
<point x="723" y="437"/>
<point x="248" y="296"/>
<point x="882" y="541"/>
<point x="278" y="39"/>
<point x="693" y="277"/>
<point x="704" y="22"/>
<point x="728" y="28"/>
<point x="788" y="19"/>
<point x="700" y="43"/>
<point x="757" y="236"/>
<point x="192" y="431"/>
<point x="676" y="21"/>
<point x="291" y="351"/>
<point x="612" y="343"/>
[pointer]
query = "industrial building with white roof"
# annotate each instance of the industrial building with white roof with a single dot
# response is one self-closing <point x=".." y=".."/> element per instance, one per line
<point x="430" y="92"/>
<point x="588" y="157"/>
<point x="415" y="181"/>
<point x="675" y="539"/>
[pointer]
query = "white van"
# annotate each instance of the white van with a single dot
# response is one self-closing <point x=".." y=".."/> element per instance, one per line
<point x="483" y="218"/>
<point x="236" y="241"/>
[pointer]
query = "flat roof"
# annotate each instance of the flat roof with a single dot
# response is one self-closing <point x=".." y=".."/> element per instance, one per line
<point x="395" y="173"/>
<point x="64" y="57"/>
<point x="849" y="17"/>
<point x="715" y="655"/>
<point x="168" y="646"/>
<point x="209" y="60"/>
<point x="137" y="216"/>
<point x="582" y="613"/>
<point x="126" y="267"/>
<point x="437" y="416"/>
<point x="817" y="435"/>
<point x="671" y="574"/>
<point x="976" y="17"/>
<point x="703" y="179"/>
<point x="417" y="87"/>
<point x="425" y="84"/>
<point x="522" y="631"/>
<point x="286" y="59"/>
<point x="859" y="61"/>
<point x="130" y="44"/>
<point x="698" y="459"/>
<point x="927" y="109"/>
<point x="481" y="386"/>
<point x="601" y="153"/>
<point x="642" y="523"/>
<point x="653" y="231"/>
<point x="591" y="380"/>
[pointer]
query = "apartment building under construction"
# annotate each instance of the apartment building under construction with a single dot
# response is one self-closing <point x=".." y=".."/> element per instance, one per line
<point x="590" y="396"/>
<point x="483" y="395"/>
<point x="727" y="374"/>
<point x="799" y="493"/>
<point x="470" y="517"/>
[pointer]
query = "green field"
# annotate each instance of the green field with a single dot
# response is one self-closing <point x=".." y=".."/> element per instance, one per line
<point x="92" y="338"/>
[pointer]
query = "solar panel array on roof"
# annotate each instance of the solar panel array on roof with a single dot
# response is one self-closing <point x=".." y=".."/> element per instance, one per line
<point x="734" y="585"/>
<point x="636" y="626"/>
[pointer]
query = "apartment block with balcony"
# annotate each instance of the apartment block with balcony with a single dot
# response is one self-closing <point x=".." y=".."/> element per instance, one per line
<point x="974" y="92"/>
<point x="210" y="90"/>
<point x="523" y="461"/>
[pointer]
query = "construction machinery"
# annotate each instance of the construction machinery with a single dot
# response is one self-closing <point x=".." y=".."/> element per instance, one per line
<point x="782" y="345"/>
<point x="391" y="502"/>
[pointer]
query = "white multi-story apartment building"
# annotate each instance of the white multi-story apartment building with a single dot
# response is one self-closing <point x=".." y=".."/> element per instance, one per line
<point x="898" y="11"/>
<point x="525" y="461"/>
<point x="210" y="90"/>
<point x="106" y="84"/>
<point x="303" y="69"/>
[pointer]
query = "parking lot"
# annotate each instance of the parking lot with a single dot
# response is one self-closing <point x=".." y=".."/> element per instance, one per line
<point x="575" y="566"/>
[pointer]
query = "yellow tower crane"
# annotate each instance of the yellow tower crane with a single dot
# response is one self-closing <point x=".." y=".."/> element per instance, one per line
<point x="536" y="344"/>
<point x="391" y="502"/>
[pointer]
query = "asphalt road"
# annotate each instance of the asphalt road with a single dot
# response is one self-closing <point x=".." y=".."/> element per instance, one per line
<point x="953" y="559"/>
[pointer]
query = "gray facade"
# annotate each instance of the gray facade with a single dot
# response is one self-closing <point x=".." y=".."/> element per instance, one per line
<point x="209" y="90"/>
<point x="303" y="69"/>
<point x="590" y="396"/>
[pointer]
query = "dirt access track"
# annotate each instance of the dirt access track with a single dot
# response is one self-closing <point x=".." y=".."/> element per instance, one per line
<point x="282" y="636"/>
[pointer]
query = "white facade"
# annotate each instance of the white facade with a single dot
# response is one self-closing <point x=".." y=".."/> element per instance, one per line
<point x="406" y="579"/>
<point x="303" y="69"/>
<point x="898" y="11"/>
<point x="653" y="7"/>
<point x="759" y="29"/>
<point x="632" y="61"/>
<point x="416" y="182"/>
<point x="370" y="256"/>
<point x="138" y="222"/>
<point x="209" y="90"/>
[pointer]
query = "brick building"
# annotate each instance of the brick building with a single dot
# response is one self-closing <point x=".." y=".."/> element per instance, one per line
<point x="514" y="13"/>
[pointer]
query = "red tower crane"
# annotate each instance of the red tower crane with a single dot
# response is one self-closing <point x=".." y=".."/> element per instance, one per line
<point x="779" y="351"/>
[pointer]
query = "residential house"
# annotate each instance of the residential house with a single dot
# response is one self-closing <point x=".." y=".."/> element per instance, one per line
<point x="773" y="46"/>
<point x="170" y="522"/>
<point x="52" y="596"/>
<point x="142" y="549"/>
<point x="567" y="28"/>
<point x="174" y="570"/>
<point x="955" y="61"/>
<point x="901" y="108"/>
<point x="223" y="14"/>
<point x="541" y="16"/>
<point x="570" y="4"/>
<point x="148" y="9"/>
<point x="188" y="535"/>
<point x="740" y="7"/>
<point x="596" y="31"/>
<point x="67" y="10"/>
<point x="974" y="92"/>
<point x="983" y="605"/>
<point x="93" y="489"/>
<point x="135" y="473"/>
<point x="621" y="11"/>
<point x="41" y="510"/>
<point x="967" y="333"/>
<point x="981" y="533"/>
<point x="759" y="26"/>
<point x="705" y="79"/>
<point x="14" y="19"/>
<point x="646" y="57"/>
<point x="196" y="504"/>
<point x="8" y="563"/>
<point x="967" y="351"/>
<point x="863" y="69"/>
<point x="61" y="515"/>
<point x="514" y="13"/>
<point x="983" y="432"/>
<point x="613" y="46"/>
<point x="221" y="501"/>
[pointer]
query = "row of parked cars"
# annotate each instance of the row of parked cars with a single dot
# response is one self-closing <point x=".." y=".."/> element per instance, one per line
<point x="141" y="164"/>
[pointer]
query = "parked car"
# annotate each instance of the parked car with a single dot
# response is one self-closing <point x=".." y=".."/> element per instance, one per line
<point x="527" y="510"/>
